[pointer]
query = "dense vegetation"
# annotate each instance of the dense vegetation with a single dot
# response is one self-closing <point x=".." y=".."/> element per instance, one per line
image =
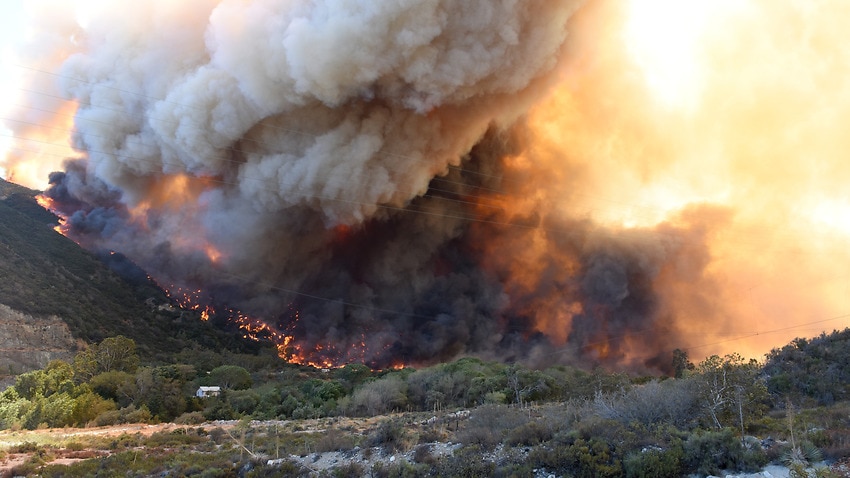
<point x="816" y="369"/>
<point x="561" y="419"/>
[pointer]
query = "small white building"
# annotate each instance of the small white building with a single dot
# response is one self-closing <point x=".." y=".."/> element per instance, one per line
<point x="204" y="392"/>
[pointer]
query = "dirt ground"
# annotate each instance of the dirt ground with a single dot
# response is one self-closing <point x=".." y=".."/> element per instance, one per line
<point x="10" y="438"/>
<point x="58" y="436"/>
<point x="315" y="461"/>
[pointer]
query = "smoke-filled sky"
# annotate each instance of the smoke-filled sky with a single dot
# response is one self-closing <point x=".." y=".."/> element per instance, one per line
<point x="589" y="182"/>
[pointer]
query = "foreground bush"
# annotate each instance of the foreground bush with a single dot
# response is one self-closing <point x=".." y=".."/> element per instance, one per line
<point x="654" y="463"/>
<point x="709" y="452"/>
<point x="582" y="458"/>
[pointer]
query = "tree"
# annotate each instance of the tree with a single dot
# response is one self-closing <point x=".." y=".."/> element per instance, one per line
<point x="380" y="396"/>
<point x="818" y="368"/>
<point x="681" y="364"/>
<point x="727" y="386"/>
<point x="652" y="404"/>
<point x="88" y="406"/>
<point x="112" y="354"/>
<point x="109" y="385"/>
<point x="353" y="375"/>
<point x="12" y="407"/>
<point x="57" y="377"/>
<point x="437" y="387"/>
<point x="117" y="353"/>
<point x="526" y="384"/>
<point x="230" y="377"/>
<point x="155" y="389"/>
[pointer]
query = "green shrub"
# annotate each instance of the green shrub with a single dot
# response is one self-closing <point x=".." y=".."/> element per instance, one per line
<point x="496" y="398"/>
<point x="709" y="452"/>
<point x="465" y="462"/>
<point x="401" y="469"/>
<point x="190" y="418"/>
<point x="335" y="440"/>
<point x="819" y="438"/>
<point x="489" y="424"/>
<point x="479" y="435"/>
<point x="422" y="454"/>
<point x="244" y="402"/>
<point x="530" y="434"/>
<point x="283" y="470"/>
<point x="306" y="411"/>
<point x="389" y="435"/>
<point x="654" y="463"/>
<point x="219" y="409"/>
<point x="230" y="377"/>
<point x="431" y="434"/>
<point x="132" y="414"/>
<point x="25" y="447"/>
<point x="582" y="458"/>
<point x="109" y="417"/>
<point x="514" y="470"/>
<point x="839" y="444"/>
<point x="89" y="406"/>
<point x="174" y="438"/>
<point x="126" y="441"/>
<point x="610" y="431"/>
<point x="349" y="470"/>
<point x="805" y="453"/>
<point x="754" y="459"/>
<point x="75" y="446"/>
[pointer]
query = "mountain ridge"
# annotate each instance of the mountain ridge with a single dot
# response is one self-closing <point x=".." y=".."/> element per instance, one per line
<point x="48" y="277"/>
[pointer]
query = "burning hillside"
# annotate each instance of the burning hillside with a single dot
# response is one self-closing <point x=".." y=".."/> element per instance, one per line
<point x="591" y="182"/>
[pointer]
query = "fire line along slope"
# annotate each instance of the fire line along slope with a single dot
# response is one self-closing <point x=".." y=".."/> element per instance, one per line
<point x="48" y="278"/>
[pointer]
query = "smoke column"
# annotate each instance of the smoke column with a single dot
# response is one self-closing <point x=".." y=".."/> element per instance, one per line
<point x="578" y="182"/>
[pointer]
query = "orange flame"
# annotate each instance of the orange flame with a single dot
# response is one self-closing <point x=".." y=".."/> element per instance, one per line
<point x="179" y="194"/>
<point x="322" y="356"/>
<point x="47" y="203"/>
<point x="213" y="253"/>
<point x="44" y="202"/>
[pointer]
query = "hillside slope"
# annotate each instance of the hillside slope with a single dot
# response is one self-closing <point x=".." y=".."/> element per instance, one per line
<point x="46" y="275"/>
<point x="28" y="342"/>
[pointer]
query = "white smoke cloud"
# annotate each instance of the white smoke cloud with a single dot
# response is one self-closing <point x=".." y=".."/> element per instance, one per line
<point x="342" y="105"/>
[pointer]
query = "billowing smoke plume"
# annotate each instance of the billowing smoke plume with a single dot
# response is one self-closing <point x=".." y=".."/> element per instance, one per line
<point x="299" y="141"/>
<point x="409" y="181"/>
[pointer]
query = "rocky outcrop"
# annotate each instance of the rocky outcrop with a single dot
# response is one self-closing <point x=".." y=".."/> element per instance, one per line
<point x="29" y="343"/>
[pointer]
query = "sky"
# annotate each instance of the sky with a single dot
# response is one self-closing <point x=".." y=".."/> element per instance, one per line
<point x="10" y="30"/>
